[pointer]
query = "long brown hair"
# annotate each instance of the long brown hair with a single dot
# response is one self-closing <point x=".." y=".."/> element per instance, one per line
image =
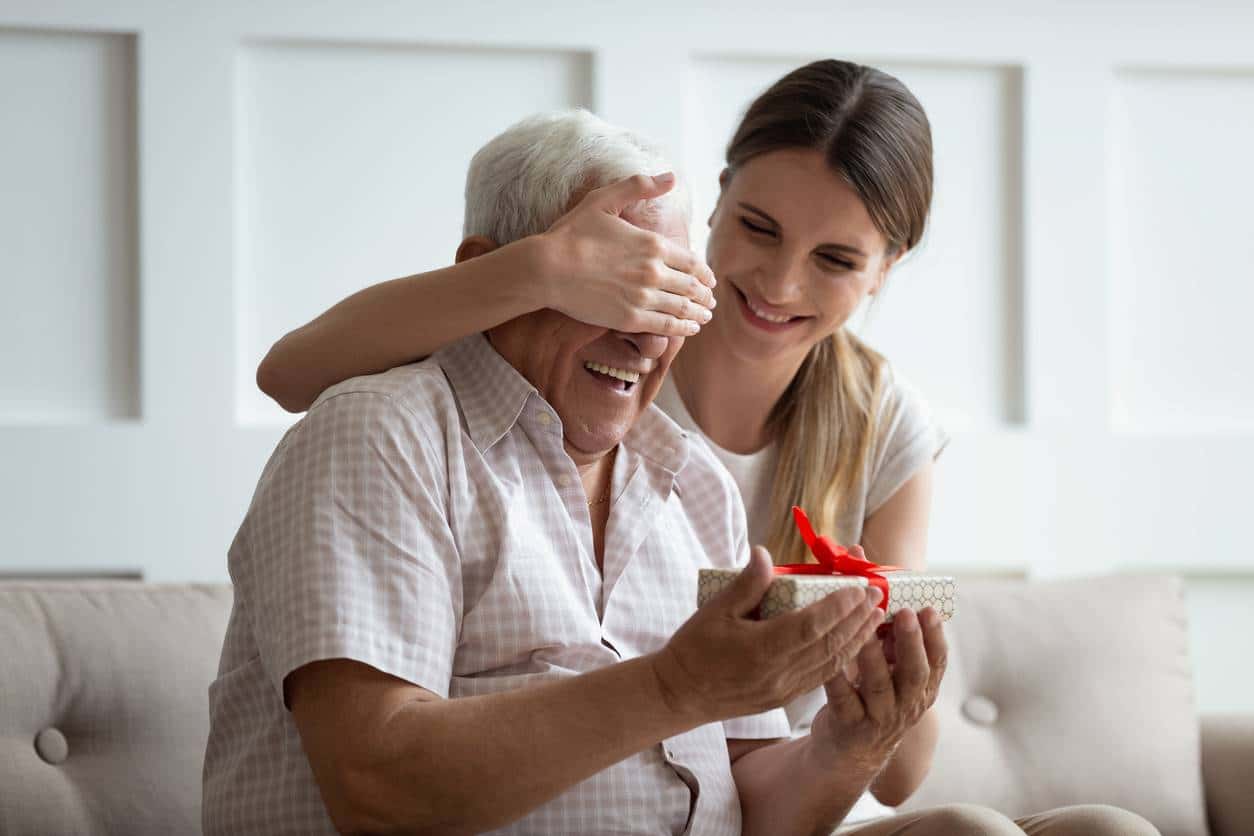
<point x="873" y="133"/>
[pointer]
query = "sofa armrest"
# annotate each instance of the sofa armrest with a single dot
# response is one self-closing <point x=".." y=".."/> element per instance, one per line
<point x="1227" y="762"/>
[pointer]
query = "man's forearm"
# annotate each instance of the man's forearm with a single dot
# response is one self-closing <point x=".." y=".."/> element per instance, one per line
<point x="785" y="789"/>
<point x="910" y="763"/>
<point x="477" y="763"/>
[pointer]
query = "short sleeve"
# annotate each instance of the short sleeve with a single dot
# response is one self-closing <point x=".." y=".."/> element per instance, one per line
<point x="764" y="726"/>
<point x="908" y="438"/>
<point x="348" y="551"/>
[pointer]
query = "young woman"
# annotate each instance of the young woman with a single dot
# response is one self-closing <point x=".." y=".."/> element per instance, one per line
<point x="828" y="183"/>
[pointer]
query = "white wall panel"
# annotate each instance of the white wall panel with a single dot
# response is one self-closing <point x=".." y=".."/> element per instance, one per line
<point x="68" y="268"/>
<point x="988" y="497"/>
<point x="351" y="165"/>
<point x="952" y="313"/>
<point x="1178" y="502"/>
<point x="1182" y="255"/>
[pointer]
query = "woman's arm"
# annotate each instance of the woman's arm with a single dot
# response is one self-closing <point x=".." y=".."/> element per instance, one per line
<point x="896" y="535"/>
<point x="784" y="788"/>
<point x="592" y="264"/>
<point x="398" y="322"/>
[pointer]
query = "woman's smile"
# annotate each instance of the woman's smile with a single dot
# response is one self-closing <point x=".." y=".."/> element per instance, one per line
<point x="764" y="316"/>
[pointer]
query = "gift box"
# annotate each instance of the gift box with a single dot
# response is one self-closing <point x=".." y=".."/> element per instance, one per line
<point x="798" y="584"/>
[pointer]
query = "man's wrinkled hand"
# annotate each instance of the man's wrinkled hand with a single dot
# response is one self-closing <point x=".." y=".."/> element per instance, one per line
<point x="897" y="679"/>
<point x="725" y="663"/>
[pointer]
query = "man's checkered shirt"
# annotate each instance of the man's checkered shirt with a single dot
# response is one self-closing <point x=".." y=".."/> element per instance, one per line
<point x="428" y="522"/>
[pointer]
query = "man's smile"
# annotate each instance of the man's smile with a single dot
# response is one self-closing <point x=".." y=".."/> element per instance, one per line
<point x="621" y="380"/>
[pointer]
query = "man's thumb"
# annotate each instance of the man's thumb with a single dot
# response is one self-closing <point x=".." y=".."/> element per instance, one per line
<point x="744" y="594"/>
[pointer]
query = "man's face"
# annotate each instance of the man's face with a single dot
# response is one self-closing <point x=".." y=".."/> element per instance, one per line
<point x="579" y="369"/>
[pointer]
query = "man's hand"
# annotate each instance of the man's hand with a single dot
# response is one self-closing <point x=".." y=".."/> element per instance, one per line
<point x="896" y="681"/>
<point x="721" y="663"/>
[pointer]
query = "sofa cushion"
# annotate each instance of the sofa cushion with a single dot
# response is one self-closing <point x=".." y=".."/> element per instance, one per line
<point x="1070" y="692"/>
<point x="1227" y="759"/>
<point x="103" y="705"/>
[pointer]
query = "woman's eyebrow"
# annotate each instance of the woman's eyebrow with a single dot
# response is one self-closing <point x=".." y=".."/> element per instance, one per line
<point x="849" y="248"/>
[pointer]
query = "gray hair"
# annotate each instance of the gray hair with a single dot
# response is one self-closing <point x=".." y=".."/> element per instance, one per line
<point x="525" y="179"/>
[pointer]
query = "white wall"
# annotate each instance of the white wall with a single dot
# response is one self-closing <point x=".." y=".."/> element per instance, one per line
<point x="181" y="184"/>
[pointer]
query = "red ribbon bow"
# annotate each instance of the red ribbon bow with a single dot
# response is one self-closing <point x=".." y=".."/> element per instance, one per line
<point x="835" y="560"/>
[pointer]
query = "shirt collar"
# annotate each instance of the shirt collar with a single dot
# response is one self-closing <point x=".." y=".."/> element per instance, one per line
<point x="490" y="392"/>
<point x="659" y="439"/>
<point x="492" y="395"/>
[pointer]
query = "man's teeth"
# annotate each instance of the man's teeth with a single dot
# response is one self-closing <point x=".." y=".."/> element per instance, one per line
<point x="764" y="315"/>
<point x="621" y="374"/>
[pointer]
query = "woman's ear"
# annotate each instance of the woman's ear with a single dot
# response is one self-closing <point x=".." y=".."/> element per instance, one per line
<point x="724" y="178"/>
<point x="890" y="261"/>
<point x="473" y="247"/>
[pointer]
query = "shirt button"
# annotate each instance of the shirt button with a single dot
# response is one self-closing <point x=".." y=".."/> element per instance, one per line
<point x="545" y="419"/>
<point x="564" y="480"/>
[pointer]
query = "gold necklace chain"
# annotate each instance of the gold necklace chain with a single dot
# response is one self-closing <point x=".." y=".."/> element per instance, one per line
<point x="606" y="498"/>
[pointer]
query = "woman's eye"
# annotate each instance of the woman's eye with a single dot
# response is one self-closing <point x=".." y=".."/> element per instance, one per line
<point x="752" y="227"/>
<point x="836" y="262"/>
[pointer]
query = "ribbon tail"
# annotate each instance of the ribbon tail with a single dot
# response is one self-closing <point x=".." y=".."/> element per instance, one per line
<point x="803" y="525"/>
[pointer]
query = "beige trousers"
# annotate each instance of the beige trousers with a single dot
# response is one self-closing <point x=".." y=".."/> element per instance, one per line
<point x="964" y="819"/>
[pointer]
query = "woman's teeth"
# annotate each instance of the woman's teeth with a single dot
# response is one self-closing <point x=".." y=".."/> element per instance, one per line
<point x="764" y="315"/>
<point x="621" y="374"/>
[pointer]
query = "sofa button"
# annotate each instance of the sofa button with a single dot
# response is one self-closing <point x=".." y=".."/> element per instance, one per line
<point x="51" y="746"/>
<point x="980" y="710"/>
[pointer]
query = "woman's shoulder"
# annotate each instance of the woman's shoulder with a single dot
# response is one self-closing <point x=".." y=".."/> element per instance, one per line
<point x="900" y="399"/>
<point x="907" y="433"/>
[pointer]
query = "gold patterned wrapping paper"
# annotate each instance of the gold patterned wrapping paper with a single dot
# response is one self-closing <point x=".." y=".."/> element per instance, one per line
<point x="792" y="592"/>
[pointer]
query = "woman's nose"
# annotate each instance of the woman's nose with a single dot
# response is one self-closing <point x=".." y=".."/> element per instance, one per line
<point x="650" y="346"/>
<point x="781" y="279"/>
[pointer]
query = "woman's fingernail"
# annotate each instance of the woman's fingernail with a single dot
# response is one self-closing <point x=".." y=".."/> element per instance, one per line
<point x="664" y="177"/>
<point x="691" y="326"/>
<point x="706" y="315"/>
<point x="873" y="595"/>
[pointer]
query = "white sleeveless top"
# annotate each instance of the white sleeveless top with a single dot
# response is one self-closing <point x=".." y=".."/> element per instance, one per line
<point x="907" y="439"/>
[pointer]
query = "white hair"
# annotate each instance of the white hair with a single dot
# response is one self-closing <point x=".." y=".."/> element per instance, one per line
<point x="525" y="179"/>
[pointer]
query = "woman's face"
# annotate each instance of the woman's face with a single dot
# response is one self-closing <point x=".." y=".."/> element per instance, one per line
<point x="795" y="252"/>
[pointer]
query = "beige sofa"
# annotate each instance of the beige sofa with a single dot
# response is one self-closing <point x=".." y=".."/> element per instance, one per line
<point x="1058" y="693"/>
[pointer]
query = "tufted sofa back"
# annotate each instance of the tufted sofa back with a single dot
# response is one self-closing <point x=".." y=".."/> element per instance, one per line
<point x="103" y="705"/>
<point x="1071" y="692"/>
<point x="1057" y="693"/>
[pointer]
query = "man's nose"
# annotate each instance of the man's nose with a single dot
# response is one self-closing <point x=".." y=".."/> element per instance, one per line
<point x="650" y="346"/>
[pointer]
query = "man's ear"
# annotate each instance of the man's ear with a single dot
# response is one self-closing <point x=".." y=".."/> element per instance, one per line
<point x="473" y="247"/>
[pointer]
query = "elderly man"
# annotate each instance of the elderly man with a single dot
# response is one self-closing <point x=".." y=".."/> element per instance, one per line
<point x="464" y="590"/>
